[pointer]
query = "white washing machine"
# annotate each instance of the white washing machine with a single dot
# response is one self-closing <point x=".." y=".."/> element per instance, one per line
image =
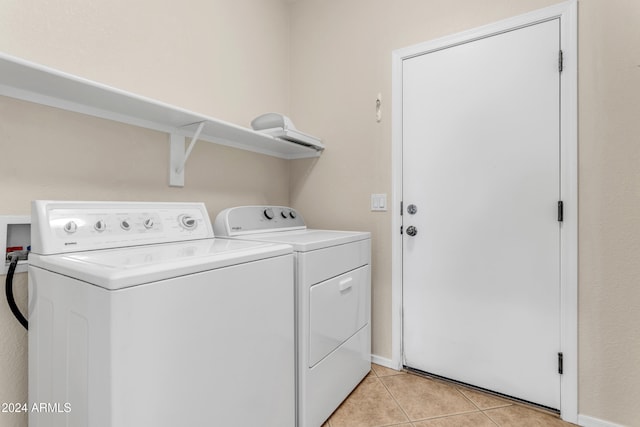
<point x="333" y="308"/>
<point x="139" y="317"/>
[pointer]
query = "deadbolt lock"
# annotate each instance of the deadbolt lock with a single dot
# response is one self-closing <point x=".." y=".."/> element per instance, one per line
<point x="412" y="209"/>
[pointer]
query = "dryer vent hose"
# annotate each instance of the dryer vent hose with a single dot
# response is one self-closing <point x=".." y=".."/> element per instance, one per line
<point x="9" y="291"/>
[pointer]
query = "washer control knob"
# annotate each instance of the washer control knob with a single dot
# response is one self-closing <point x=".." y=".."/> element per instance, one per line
<point x="70" y="227"/>
<point x="283" y="214"/>
<point x="100" y="225"/>
<point x="292" y="214"/>
<point x="188" y="222"/>
<point x="125" y="225"/>
<point x="268" y="213"/>
<point x="148" y="223"/>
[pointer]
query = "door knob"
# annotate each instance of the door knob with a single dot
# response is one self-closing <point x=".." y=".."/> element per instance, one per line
<point x="412" y="231"/>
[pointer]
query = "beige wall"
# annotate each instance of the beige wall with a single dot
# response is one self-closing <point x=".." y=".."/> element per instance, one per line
<point x="223" y="58"/>
<point x="610" y="210"/>
<point x="236" y="59"/>
<point x="341" y="59"/>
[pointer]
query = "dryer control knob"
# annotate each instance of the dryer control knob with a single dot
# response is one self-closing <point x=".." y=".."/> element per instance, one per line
<point x="124" y="224"/>
<point x="268" y="213"/>
<point x="292" y="214"/>
<point x="188" y="222"/>
<point x="100" y="225"/>
<point x="283" y="214"/>
<point x="70" y="227"/>
<point x="148" y="223"/>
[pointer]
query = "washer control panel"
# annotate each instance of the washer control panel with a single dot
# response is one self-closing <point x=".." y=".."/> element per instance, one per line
<point x="74" y="226"/>
<point x="257" y="219"/>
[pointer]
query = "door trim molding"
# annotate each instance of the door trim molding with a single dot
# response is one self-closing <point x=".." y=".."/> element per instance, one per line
<point x="567" y="12"/>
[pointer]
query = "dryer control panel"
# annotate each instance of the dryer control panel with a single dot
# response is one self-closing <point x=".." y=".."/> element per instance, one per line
<point x="60" y="227"/>
<point x="256" y="219"/>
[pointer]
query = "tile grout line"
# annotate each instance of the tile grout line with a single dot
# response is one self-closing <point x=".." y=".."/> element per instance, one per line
<point x="491" y="419"/>
<point x="509" y="401"/>
<point x="459" y="389"/>
<point x="456" y="388"/>
<point x="411" y="420"/>
<point x="506" y="403"/>
<point x="377" y="377"/>
<point x="392" y="396"/>
<point x="371" y="371"/>
<point x="474" y="404"/>
<point x="394" y="399"/>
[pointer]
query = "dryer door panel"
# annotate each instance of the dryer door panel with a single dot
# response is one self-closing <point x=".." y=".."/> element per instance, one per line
<point x="338" y="309"/>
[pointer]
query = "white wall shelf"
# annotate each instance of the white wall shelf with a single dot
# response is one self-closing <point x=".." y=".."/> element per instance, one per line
<point x="43" y="85"/>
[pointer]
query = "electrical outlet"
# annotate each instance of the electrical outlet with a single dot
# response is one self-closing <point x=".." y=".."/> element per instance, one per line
<point x="15" y="234"/>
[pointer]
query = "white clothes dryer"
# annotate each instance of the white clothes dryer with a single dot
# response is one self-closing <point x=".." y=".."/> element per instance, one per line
<point x="139" y="317"/>
<point x="333" y="302"/>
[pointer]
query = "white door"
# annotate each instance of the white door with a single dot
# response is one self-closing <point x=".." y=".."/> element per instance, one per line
<point x="481" y="163"/>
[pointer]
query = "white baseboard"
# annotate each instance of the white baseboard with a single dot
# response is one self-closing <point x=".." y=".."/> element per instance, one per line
<point x="586" y="421"/>
<point x="387" y="363"/>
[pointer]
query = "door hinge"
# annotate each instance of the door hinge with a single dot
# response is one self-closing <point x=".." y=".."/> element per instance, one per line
<point x="401" y="207"/>
<point x="560" y="211"/>
<point x="560" y="61"/>
<point x="560" y="364"/>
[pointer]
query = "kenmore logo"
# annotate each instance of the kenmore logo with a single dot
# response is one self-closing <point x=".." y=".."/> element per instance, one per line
<point x="236" y="228"/>
<point x="70" y="243"/>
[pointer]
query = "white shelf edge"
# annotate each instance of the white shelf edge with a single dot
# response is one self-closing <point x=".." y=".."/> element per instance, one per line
<point x="36" y="98"/>
<point x="20" y="79"/>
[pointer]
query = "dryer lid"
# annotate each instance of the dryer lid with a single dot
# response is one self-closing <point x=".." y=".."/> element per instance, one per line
<point x="309" y="239"/>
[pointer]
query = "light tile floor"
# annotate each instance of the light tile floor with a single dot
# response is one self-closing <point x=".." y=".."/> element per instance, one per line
<point x="391" y="398"/>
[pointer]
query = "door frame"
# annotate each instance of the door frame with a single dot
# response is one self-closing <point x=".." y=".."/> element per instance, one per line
<point x="567" y="13"/>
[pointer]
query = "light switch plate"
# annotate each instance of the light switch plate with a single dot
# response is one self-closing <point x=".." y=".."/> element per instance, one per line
<point x="378" y="202"/>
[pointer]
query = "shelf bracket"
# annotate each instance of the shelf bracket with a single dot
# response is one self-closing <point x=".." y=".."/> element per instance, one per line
<point x="178" y="156"/>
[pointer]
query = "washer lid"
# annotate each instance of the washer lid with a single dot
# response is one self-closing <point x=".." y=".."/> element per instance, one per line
<point x="308" y="239"/>
<point x="126" y="267"/>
